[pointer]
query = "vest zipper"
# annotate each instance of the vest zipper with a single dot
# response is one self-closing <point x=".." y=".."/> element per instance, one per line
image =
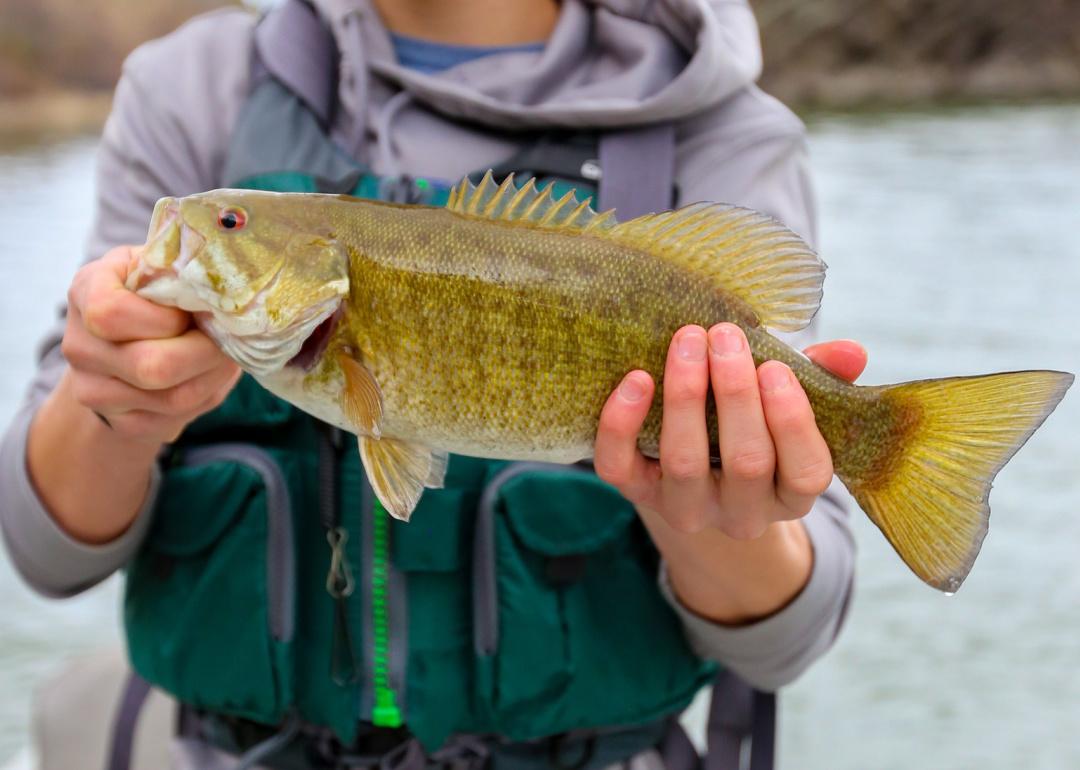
<point x="384" y="587"/>
<point x="385" y="711"/>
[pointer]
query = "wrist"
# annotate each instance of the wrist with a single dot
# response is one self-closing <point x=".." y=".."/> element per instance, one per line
<point x="90" y="479"/>
<point x="735" y="582"/>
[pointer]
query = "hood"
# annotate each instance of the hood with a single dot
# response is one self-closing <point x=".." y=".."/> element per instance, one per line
<point x="607" y="63"/>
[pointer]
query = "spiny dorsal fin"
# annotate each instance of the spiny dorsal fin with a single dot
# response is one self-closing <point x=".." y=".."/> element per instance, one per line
<point x="745" y="252"/>
<point x="509" y="203"/>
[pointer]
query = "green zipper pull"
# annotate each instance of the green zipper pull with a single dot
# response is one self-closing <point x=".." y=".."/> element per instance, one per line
<point x="384" y="712"/>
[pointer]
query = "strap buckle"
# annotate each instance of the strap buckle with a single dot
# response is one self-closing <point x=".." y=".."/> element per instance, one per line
<point x="556" y="757"/>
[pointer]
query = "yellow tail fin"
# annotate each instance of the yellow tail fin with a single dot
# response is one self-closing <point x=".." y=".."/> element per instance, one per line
<point x="930" y="499"/>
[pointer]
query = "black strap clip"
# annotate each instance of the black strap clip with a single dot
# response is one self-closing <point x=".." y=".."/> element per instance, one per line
<point x="557" y="745"/>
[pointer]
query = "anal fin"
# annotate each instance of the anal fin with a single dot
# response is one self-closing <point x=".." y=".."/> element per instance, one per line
<point x="399" y="471"/>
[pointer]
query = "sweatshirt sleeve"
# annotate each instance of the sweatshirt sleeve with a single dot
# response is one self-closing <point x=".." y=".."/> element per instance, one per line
<point x="157" y="141"/>
<point x="751" y="151"/>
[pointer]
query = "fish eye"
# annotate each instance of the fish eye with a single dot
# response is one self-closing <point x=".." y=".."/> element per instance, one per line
<point x="232" y="219"/>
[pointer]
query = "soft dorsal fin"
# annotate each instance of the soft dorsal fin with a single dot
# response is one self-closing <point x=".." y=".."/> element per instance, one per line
<point x="747" y="253"/>
<point x="508" y="202"/>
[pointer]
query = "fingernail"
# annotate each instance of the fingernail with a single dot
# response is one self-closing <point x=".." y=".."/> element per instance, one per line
<point x="774" y="376"/>
<point x="631" y="389"/>
<point x="691" y="346"/>
<point x="725" y="340"/>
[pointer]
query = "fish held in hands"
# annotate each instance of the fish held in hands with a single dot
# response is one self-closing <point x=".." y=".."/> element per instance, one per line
<point x="498" y="326"/>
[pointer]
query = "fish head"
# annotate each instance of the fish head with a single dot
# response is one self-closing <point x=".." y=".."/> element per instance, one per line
<point x="260" y="279"/>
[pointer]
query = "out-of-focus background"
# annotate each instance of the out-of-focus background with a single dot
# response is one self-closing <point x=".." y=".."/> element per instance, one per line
<point x="945" y="137"/>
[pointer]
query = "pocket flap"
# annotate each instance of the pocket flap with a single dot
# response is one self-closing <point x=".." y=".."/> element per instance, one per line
<point x="562" y="510"/>
<point x="183" y="529"/>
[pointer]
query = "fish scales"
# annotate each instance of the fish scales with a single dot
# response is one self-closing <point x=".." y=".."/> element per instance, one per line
<point x="498" y="327"/>
<point x="530" y="342"/>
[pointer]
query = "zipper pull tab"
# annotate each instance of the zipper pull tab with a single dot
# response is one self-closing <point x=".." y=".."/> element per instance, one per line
<point x="339" y="580"/>
<point x="344" y="668"/>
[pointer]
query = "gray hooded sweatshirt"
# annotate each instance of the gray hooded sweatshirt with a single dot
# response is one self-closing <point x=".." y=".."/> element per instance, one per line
<point x="608" y="63"/>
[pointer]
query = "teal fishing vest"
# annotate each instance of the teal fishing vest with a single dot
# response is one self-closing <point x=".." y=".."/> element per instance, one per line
<point x="520" y="601"/>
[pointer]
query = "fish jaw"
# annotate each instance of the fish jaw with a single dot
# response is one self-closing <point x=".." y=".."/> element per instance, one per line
<point x="155" y="269"/>
<point x="169" y="270"/>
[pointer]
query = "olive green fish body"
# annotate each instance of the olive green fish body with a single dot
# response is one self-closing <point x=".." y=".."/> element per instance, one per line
<point x="514" y="353"/>
<point x="498" y="327"/>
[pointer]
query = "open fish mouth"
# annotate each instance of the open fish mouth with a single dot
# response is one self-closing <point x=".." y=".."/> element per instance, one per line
<point x="156" y="268"/>
<point x="315" y="344"/>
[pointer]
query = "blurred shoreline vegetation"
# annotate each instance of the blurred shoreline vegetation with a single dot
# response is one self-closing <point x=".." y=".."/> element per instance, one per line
<point x="839" y="54"/>
<point x="59" y="60"/>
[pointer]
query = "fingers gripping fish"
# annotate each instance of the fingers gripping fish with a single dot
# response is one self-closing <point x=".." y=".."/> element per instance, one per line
<point x="497" y="327"/>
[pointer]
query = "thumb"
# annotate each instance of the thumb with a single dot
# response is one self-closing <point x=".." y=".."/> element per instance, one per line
<point x="844" y="358"/>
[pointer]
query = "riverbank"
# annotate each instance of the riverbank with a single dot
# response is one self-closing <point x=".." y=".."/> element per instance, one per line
<point x="52" y="114"/>
<point x="877" y="87"/>
<point x="825" y="54"/>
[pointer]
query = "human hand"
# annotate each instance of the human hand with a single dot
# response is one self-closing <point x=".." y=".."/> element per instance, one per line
<point x="142" y="368"/>
<point x="774" y="461"/>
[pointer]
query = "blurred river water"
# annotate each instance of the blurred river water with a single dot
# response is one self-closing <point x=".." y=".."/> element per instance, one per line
<point x="952" y="242"/>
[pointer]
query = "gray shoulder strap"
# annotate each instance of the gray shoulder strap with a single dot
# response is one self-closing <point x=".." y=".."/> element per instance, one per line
<point x="637" y="169"/>
<point x="738" y="714"/>
<point x="122" y="742"/>
<point x="293" y="45"/>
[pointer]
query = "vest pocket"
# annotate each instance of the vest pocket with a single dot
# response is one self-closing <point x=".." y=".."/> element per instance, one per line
<point x="569" y="627"/>
<point x="209" y="605"/>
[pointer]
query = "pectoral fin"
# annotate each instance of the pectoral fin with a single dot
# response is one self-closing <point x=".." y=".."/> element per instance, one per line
<point x="361" y="399"/>
<point x="399" y="471"/>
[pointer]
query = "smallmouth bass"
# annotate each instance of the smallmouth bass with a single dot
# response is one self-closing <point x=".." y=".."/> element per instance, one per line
<point x="498" y="326"/>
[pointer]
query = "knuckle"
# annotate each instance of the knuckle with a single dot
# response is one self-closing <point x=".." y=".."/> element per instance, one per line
<point x="745" y="528"/>
<point x="611" y="470"/>
<point x="686" y="522"/>
<point x="100" y="313"/>
<point x="185" y="397"/>
<point x="70" y="348"/>
<point x="792" y="421"/>
<point x="811" y="480"/>
<point x="618" y="425"/>
<point x="95" y="317"/>
<point x="734" y="386"/>
<point x="683" y="465"/>
<point x="151" y="368"/>
<point x="686" y="389"/>
<point x="751" y="463"/>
